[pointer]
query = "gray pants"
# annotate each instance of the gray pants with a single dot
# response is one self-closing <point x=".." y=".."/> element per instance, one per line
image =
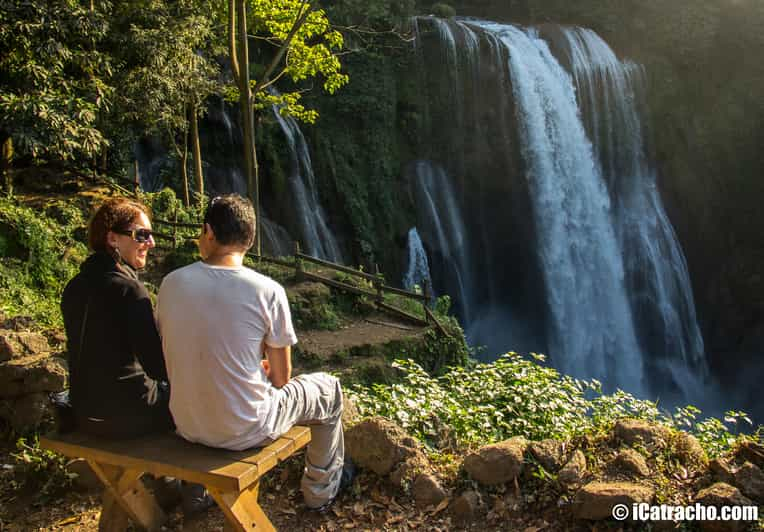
<point x="315" y="400"/>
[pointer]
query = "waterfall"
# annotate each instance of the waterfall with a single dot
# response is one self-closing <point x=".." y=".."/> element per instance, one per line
<point x="656" y="271"/>
<point x="540" y="134"/>
<point x="316" y="235"/>
<point x="418" y="268"/>
<point x="443" y="226"/>
<point x="276" y="239"/>
<point x="591" y="331"/>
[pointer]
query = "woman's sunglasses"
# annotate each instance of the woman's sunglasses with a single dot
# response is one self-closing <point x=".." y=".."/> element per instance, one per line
<point x="139" y="235"/>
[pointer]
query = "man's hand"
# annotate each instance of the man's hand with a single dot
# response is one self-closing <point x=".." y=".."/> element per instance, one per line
<point x="278" y="365"/>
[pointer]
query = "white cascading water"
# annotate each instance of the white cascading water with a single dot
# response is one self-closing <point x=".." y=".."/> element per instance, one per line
<point x="276" y="239"/>
<point x="317" y="238"/>
<point x="590" y="331"/>
<point x="418" y="268"/>
<point x="656" y="271"/>
<point x="441" y="220"/>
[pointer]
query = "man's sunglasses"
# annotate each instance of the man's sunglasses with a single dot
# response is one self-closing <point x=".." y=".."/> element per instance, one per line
<point x="139" y="235"/>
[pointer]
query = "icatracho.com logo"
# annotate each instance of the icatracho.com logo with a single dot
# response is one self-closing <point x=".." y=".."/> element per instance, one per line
<point x="695" y="512"/>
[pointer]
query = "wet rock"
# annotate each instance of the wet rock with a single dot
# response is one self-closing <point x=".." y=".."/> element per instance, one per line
<point x="549" y="453"/>
<point x="688" y="450"/>
<point x="380" y="446"/>
<point x="632" y="431"/>
<point x="596" y="500"/>
<point x="718" y="495"/>
<point x="497" y="463"/>
<point x="465" y="507"/>
<point x="750" y="480"/>
<point x="572" y="473"/>
<point x="632" y="463"/>
<point x="427" y="491"/>
<point x="32" y="374"/>
<point x="26" y="412"/>
<point x="752" y="452"/>
<point x="15" y="344"/>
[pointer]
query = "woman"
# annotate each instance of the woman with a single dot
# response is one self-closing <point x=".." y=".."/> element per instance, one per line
<point x="116" y="368"/>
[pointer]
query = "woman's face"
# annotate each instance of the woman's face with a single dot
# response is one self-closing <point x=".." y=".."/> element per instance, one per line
<point x="131" y="250"/>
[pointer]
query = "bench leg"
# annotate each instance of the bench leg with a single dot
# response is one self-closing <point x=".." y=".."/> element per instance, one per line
<point x="242" y="511"/>
<point x="125" y="497"/>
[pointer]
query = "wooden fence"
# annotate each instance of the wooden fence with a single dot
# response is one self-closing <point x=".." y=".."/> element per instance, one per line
<point x="376" y="292"/>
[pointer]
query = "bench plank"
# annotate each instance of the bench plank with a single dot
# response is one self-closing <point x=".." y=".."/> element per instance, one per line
<point x="161" y="455"/>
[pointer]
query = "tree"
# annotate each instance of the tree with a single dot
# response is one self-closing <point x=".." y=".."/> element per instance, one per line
<point x="297" y="42"/>
<point x="54" y="80"/>
<point x="165" y="91"/>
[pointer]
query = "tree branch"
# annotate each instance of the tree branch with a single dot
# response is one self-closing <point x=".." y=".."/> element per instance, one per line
<point x="299" y="21"/>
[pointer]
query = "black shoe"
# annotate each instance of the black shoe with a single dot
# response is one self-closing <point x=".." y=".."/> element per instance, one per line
<point x="346" y="481"/>
<point x="196" y="500"/>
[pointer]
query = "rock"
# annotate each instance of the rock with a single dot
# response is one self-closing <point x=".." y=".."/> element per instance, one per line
<point x="750" y="480"/>
<point x="310" y="291"/>
<point x="549" y="453"/>
<point x="497" y="463"/>
<point x="596" y="500"/>
<point x="465" y="506"/>
<point x="632" y="431"/>
<point x="688" y="450"/>
<point x="408" y="470"/>
<point x="632" y="463"/>
<point x="21" y="344"/>
<point x="718" y="495"/>
<point x="572" y="473"/>
<point x="380" y="446"/>
<point x="752" y="452"/>
<point x="427" y="491"/>
<point x="40" y="373"/>
<point x="721" y="470"/>
<point x="86" y="478"/>
<point x="26" y="412"/>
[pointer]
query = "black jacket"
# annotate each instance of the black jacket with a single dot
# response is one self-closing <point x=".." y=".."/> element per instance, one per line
<point x="113" y="375"/>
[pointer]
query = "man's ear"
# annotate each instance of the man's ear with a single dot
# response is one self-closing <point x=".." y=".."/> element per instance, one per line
<point x="208" y="232"/>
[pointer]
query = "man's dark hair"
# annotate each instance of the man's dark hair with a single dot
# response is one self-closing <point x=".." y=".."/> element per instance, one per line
<point x="232" y="219"/>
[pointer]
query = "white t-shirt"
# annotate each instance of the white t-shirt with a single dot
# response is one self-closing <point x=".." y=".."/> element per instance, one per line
<point x="214" y="321"/>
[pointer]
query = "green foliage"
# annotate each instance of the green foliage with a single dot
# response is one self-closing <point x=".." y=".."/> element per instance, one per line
<point x="32" y="283"/>
<point x="173" y="71"/>
<point x="52" y="77"/>
<point x="483" y="403"/>
<point x="36" y="470"/>
<point x="443" y="10"/>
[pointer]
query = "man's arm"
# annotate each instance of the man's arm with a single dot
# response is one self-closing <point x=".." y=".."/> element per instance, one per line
<point x="279" y="366"/>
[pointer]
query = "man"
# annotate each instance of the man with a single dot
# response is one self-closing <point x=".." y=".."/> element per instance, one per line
<point x="227" y="335"/>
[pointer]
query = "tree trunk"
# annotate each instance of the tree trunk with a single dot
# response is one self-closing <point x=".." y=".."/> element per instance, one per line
<point x="197" y="153"/>
<point x="184" y="165"/>
<point x="245" y="104"/>
<point x="5" y="165"/>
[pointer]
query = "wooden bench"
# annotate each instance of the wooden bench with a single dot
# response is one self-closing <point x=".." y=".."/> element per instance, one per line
<point x="231" y="477"/>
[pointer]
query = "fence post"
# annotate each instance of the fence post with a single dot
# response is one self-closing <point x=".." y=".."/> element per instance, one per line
<point x="378" y="284"/>
<point x="298" y="268"/>
<point x="426" y="302"/>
